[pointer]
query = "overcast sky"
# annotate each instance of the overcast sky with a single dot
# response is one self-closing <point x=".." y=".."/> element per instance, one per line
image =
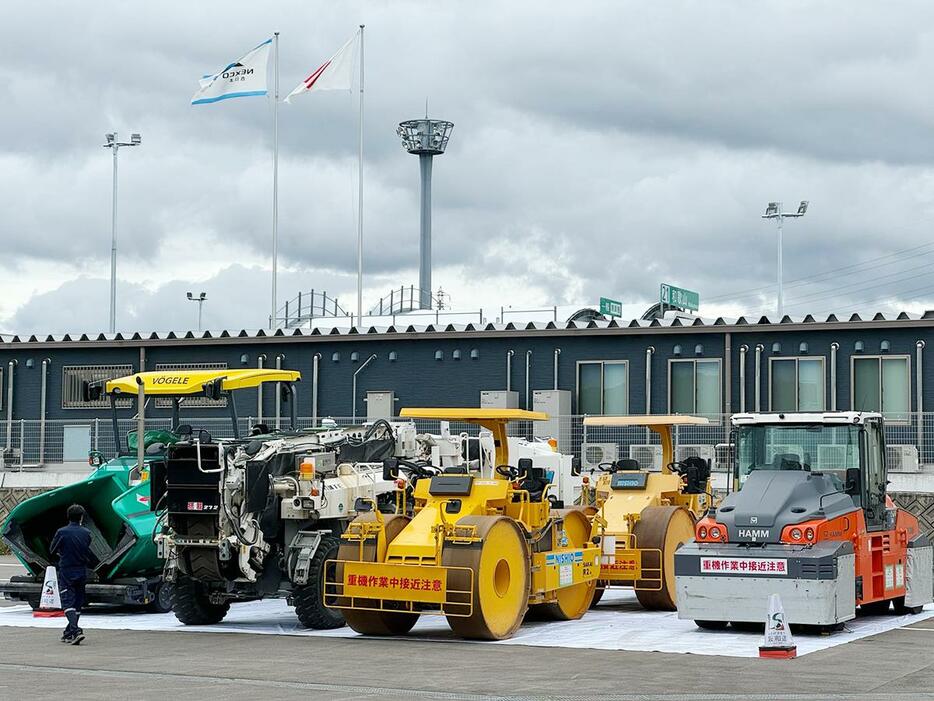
<point x="598" y="149"/>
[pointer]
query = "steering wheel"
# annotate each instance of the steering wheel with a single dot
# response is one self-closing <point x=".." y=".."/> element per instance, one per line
<point x="418" y="471"/>
<point x="677" y="466"/>
<point x="606" y="467"/>
<point x="509" y="472"/>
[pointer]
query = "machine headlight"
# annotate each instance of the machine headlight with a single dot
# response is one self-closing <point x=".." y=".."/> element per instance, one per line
<point x="702" y="532"/>
<point x="809" y="534"/>
<point x="715" y="533"/>
<point x="796" y="534"/>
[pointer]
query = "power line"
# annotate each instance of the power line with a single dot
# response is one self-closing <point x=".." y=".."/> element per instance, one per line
<point x="828" y="294"/>
<point x="809" y="279"/>
<point x="862" y="302"/>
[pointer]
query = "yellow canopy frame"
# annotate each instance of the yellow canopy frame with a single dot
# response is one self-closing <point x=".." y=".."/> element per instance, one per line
<point x="185" y="382"/>
<point x="661" y="424"/>
<point x="494" y="420"/>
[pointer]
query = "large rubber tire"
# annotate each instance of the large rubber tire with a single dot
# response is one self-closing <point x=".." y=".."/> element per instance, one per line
<point x="501" y="578"/>
<point x="309" y="598"/>
<point x="165" y="597"/>
<point x="376" y="622"/>
<point x="572" y="602"/>
<point x="598" y="593"/>
<point x="663" y="528"/>
<point x="34" y="602"/>
<point x="192" y="606"/>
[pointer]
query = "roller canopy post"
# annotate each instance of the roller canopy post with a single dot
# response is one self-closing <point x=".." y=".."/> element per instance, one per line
<point x="116" y="425"/>
<point x="293" y="404"/>
<point x="140" y="425"/>
<point x="232" y="406"/>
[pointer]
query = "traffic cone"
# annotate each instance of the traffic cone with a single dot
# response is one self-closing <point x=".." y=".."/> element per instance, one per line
<point x="50" y="605"/>
<point x="778" y="642"/>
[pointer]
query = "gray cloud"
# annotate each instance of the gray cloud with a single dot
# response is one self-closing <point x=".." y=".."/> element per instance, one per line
<point x="599" y="148"/>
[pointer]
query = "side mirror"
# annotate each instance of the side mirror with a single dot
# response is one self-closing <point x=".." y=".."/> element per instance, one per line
<point x="390" y="469"/>
<point x="91" y="392"/>
<point x="212" y="389"/>
<point x="575" y="467"/>
<point x="854" y="480"/>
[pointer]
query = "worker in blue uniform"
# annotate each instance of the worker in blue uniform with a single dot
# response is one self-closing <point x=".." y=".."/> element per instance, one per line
<point x="72" y="546"/>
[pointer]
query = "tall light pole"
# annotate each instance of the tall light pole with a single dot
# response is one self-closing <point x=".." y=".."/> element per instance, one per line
<point x="774" y="211"/>
<point x="425" y="138"/>
<point x="200" y="300"/>
<point x="114" y="144"/>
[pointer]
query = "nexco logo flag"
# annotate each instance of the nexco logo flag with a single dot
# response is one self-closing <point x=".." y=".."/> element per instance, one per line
<point x="245" y="77"/>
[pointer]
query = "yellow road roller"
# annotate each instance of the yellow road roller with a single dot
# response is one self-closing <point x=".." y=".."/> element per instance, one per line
<point x="483" y="550"/>
<point x="643" y="516"/>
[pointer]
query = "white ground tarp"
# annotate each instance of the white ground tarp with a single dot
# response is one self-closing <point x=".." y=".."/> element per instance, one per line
<point x="618" y="623"/>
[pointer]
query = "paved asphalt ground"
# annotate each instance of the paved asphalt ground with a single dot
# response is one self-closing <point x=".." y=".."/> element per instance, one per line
<point x="894" y="666"/>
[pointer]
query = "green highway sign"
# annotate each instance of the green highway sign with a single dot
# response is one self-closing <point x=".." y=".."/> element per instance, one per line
<point x="610" y="307"/>
<point x="679" y="297"/>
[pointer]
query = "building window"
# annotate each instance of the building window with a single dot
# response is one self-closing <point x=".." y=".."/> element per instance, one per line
<point x="74" y="377"/>
<point x="796" y="384"/>
<point x="694" y="387"/>
<point x="603" y="387"/>
<point x="165" y="403"/>
<point x="882" y="383"/>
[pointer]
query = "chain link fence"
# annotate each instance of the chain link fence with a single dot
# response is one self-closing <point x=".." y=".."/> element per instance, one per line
<point x="33" y="443"/>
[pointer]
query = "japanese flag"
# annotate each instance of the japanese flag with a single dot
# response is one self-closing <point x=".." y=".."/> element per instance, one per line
<point x="334" y="74"/>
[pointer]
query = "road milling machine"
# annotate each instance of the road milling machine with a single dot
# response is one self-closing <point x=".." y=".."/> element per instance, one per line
<point x="482" y="549"/>
<point x="641" y="517"/>
<point x="811" y="521"/>
<point x="258" y="517"/>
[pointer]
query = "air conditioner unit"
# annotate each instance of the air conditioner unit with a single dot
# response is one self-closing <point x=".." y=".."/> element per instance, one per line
<point x="833" y="457"/>
<point x="649" y="457"/>
<point x="724" y="453"/>
<point x="902" y="458"/>
<point x="592" y="454"/>
<point x="704" y="452"/>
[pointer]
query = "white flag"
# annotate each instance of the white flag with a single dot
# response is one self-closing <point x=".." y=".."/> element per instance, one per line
<point x="245" y="77"/>
<point x="334" y="74"/>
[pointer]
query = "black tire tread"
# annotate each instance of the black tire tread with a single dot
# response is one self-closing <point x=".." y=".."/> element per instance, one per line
<point x="192" y="607"/>
<point x="309" y="598"/>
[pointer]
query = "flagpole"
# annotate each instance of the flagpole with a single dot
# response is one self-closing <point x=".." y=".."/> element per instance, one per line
<point x="275" y="189"/>
<point x="360" y="198"/>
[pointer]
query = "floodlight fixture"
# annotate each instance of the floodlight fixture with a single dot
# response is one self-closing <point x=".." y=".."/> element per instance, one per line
<point x="136" y="139"/>
<point x="802" y="208"/>
<point x="425" y="138"/>
<point x="771" y="210"/>
<point x="110" y="138"/>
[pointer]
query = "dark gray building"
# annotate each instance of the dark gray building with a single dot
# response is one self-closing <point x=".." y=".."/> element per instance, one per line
<point x="658" y="366"/>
